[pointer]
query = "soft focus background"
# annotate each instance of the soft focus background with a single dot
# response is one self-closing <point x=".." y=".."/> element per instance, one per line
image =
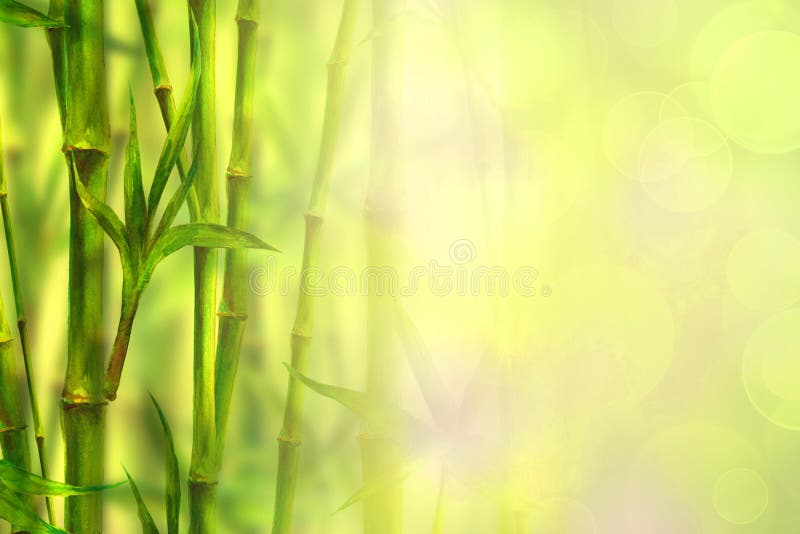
<point x="639" y="155"/>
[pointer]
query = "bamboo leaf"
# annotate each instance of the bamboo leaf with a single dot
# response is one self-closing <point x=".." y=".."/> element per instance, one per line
<point x="21" y="481"/>
<point x="177" y="200"/>
<point x="145" y="517"/>
<point x="427" y="375"/>
<point x="21" y="15"/>
<point x="397" y="475"/>
<point x="387" y="419"/>
<point x="200" y="235"/>
<point x="176" y="138"/>
<point x="106" y="218"/>
<point x="19" y="513"/>
<point x="135" y="203"/>
<point x="173" y="478"/>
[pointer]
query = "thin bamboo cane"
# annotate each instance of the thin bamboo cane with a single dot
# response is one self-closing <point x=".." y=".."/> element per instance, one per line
<point x="203" y="470"/>
<point x="163" y="90"/>
<point x="383" y="223"/>
<point x="87" y="145"/>
<point x="233" y="308"/>
<point x="290" y="436"/>
<point x="22" y="328"/>
<point x="13" y="432"/>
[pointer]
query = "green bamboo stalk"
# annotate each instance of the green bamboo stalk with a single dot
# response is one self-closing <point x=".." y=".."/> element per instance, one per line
<point x="163" y="90"/>
<point x="55" y="40"/>
<point x="203" y="470"/>
<point x="233" y="307"/>
<point x="383" y="223"/>
<point x="13" y="434"/>
<point x="290" y="435"/>
<point x="22" y="328"/>
<point x="87" y="144"/>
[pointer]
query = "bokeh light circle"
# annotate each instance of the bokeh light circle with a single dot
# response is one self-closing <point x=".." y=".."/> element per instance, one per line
<point x="771" y="369"/>
<point x="754" y="92"/>
<point x="741" y="496"/>
<point x="680" y="470"/>
<point x="624" y="323"/>
<point x="764" y="270"/>
<point x="701" y="168"/>
<point x="628" y="124"/>
<point x="740" y="19"/>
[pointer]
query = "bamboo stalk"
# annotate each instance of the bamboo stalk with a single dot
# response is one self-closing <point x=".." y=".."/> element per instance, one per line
<point x="203" y="470"/>
<point x="87" y="144"/>
<point x="383" y="223"/>
<point x="290" y="435"/>
<point x="22" y="328"/>
<point x="233" y="307"/>
<point x="13" y="434"/>
<point x="163" y="90"/>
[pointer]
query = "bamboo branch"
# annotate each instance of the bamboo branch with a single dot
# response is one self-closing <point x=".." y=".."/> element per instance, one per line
<point x="11" y="249"/>
<point x="290" y="436"/>
<point x="163" y="90"/>
<point x="233" y="308"/>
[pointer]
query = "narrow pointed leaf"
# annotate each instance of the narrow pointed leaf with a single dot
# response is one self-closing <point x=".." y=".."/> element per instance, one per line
<point x="21" y="15"/>
<point x="388" y="419"/>
<point x="19" y="513"/>
<point x="173" y="477"/>
<point x="135" y="203"/>
<point x="21" y="481"/>
<point x="107" y="220"/>
<point x="145" y="517"/>
<point x="177" y="200"/>
<point x="200" y="235"/>
<point x="397" y="475"/>
<point x="176" y="138"/>
<point x="427" y="375"/>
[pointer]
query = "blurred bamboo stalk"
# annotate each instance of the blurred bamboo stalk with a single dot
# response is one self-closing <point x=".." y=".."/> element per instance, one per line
<point x="233" y="307"/>
<point x="87" y="148"/>
<point x="22" y="328"/>
<point x="13" y="433"/>
<point x="290" y="436"/>
<point x="203" y="468"/>
<point x="163" y="90"/>
<point x="383" y="226"/>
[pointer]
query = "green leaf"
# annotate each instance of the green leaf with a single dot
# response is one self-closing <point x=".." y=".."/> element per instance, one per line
<point x="107" y="220"/>
<point x="176" y="138"/>
<point x="135" y="203"/>
<point x="20" y="514"/>
<point x="385" y="418"/>
<point x="173" y="477"/>
<point x="398" y="474"/>
<point x="427" y="375"/>
<point x="200" y="235"/>
<point x="21" y="481"/>
<point x="145" y="518"/>
<point x="176" y="201"/>
<point x="21" y="15"/>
